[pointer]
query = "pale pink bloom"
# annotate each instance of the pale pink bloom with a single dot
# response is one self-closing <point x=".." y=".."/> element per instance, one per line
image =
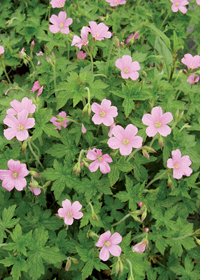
<point x="179" y="5"/>
<point x="198" y="2"/>
<point x="38" y="87"/>
<point x="22" y="53"/>
<point x="14" y="177"/>
<point x="111" y="129"/>
<point x="59" y="124"/>
<point x="109" y="245"/>
<point x="99" y="161"/>
<point x="125" y="139"/>
<point x="146" y="229"/>
<point x="114" y="3"/>
<point x="57" y="3"/>
<point x="81" y="55"/>
<point x="40" y="53"/>
<point x="60" y="23"/>
<point x="35" y="191"/>
<point x="2" y="50"/>
<point x="190" y="61"/>
<point x="140" y="204"/>
<point x="131" y="36"/>
<point x="99" y="31"/>
<point x="180" y="165"/>
<point x="157" y="122"/>
<point x="18" y="127"/>
<point x="128" y="68"/>
<point x="83" y="129"/>
<point x="140" y="247"/>
<point x="104" y="113"/>
<point x="192" y="79"/>
<point x="83" y="41"/>
<point x="25" y="104"/>
<point x="70" y="212"/>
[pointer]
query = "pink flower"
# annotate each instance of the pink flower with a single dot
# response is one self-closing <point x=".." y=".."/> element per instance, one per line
<point x="140" y="247"/>
<point x="192" y="79"/>
<point x="32" y="45"/>
<point x="83" y="41"/>
<point x="125" y="139"/>
<point x="127" y="67"/>
<point x="81" y="55"/>
<point x="111" y="129"/>
<point x="179" y="5"/>
<point x="22" y="53"/>
<point x="35" y="191"/>
<point x="109" y="245"/>
<point x="198" y="2"/>
<point x="37" y="86"/>
<point x="99" y="31"/>
<point x="99" y="161"/>
<point x="180" y="165"/>
<point x="59" y="124"/>
<point x="104" y="113"/>
<point x="57" y="3"/>
<point x="2" y="50"/>
<point x="157" y="122"/>
<point x="25" y="104"/>
<point x="70" y="212"/>
<point x="131" y="36"/>
<point x="18" y="127"/>
<point x="190" y="61"/>
<point x="83" y="129"/>
<point x="40" y="53"/>
<point x="60" y="23"/>
<point x="116" y="2"/>
<point x="14" y="177"/>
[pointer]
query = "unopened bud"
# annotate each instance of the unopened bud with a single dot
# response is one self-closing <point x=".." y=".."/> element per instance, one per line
<point x="85" y="109"/>
<point x="136" y="218"/>
<point x="47" y="183"/>
<point x="149" y="149"/>
<point x="145" y="154"/>
<point x="24" y="146"/>
<point x="35" y="174"/>
<point x="95" y="217"/>
<point x="68" y="264"/>
<point x="85" y="163"/>
<point x="181" y="115"/>
<point x="33" y="183"/>
<point x="121" y="267"/>
<point x="5" y="82"/>
<point x="49" y="60"/>
<point x="177" y="114"/>
<point x="46" y="48"/>
<point x="91" y="234"/>
<point x="74" y="260"/>
<point x="144" y="215"/>
<point x="144" y="74"/>
<point x="197" y="231"/>
<point x="32" y="45"/>
<point x="169" y="182"/>
<point x="185" y="71"/>
<point x="140" y="204"/>
<point x="160" y="141"/>
<point x="116" y="268"/>
<point x="146" y="229"/>
<point x="197" y="240"/>
<point x="83" y="129"/>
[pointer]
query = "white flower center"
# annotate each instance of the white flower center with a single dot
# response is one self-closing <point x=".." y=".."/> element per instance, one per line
<point x="69" y="214"/>
<point x="126" y="141"/>
<point x="20" y="127"/>
<point x="107" y="243"/>
<point x="15" y="174"/>
<point x="61" y="25"/>
<point x="126" y="70"/>
<point x="176" y="165"/>
<point x="158" y="124"/>
<point x="102" y="114"/>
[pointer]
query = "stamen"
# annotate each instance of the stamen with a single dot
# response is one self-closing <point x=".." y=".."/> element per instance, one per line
<point x="126" y="70"/>
<point x="69" y="214"/>
<point x="20" y="127"/>
<point x="107" y="243"/>
<point x="15" y="174"/>
<point x="61" y="25"/>
<point x="158" y="124"/>
<point x="126" y="141"/>
<point x="102" y="114"/>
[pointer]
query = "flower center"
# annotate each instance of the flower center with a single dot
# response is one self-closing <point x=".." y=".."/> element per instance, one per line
<point x="69" y="214"/>
<point x="191" y="65"/>
<point x="102" y="114"/>
<point x="176" y="165"/>
<point x="126" y="142"/>
<point x="158" y="124"/>
<point x="107" y="243"/>
<point x="126" y="70"/>
<point x="99" y="158"/>
<point x="96" y="35"/>
<point x="84" y="41"/>
<point x="61" y="25"/>
<point x="116" y="2"/>
<point x="20" y="127"/>
<point x="15" y="174"/>
<point x="60" y="4"/>
<point x="177" y="4"/>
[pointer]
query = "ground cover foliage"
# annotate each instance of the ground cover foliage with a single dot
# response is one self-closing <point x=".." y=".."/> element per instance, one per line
<point x="99" y="143"/>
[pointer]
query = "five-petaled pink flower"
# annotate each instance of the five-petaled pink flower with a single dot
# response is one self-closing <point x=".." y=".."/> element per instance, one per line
<point x="114" y="3"/>
<point x="109" y="245"/>
<point x="99" y="31"/>
<point x="2" y="50"/>
<point x="136" y="35"/>
<point x="83" y="41"/>
<point x="190" y="61"/>
<point x="179" y="5"/>
<point x="99" y="161"/>
<point x="81" y="55"/>
<point x="25" y="104"/>
<point x="60" y="23"/>
<point x="57" y="3"/>
<point x="18" y="127"/>
<point x="125" y="139"/>
<point x="70" y="211"/>
<point x="104" y="113"/>
<point x="59" y="124"/>
<point x="180" y="165"/>
<point x="192" y="79"/>
<point x="128" y="68"/>
<point x="14" y="177"/>
<point x="38" y="87"/>
<point x="198" y="2"/>
<point x="140" y="247"/>
<point x="157" y="122"/>
<point x="35" y="191"/>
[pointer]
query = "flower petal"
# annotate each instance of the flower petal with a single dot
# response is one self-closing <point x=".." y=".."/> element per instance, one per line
<point x="104" y="254"/>
<point x="102" y="238"/>
<point x="76" y="207"/>
<point x="115" y="250"/>
<point x="116" y="238"/>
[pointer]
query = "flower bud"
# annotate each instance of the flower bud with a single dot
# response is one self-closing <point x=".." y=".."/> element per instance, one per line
<point x="169" y="182"/>
<point x="95" y="217"/>
<point x="177" y="114"/>
<point x="144" y="214"/>
<point x="149" y="149"/>
<point x="146" y="229"/>
<point x="33" y="183"/>
<point x="116" y="269"/>
<point x="83" y="129"/>
<point x="49" y="61"/>
<point x="74" y="260"/>
<point x="121" y="267"/>
<point x="145" y="154"/>
<point x="32" y="45"/>
<point x="47" y="183"/>
<point x="197" y="240"/>
<point x="35" y="174"/>
<point x="24" y="146"/>
<point x="68" y="264"/>
<point x="91" y="234"/>
<point x="5" y="82"/>
<point x="140" y="204"/>
<point x="160" y="141"/>
<point x="197" y="231"/>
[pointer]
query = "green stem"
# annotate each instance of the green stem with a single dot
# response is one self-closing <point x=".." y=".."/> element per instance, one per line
<point x="184" y="82"/>
<point x="166" y="18"/>
<point x="71" y="120"/>
<point x="35" y="156"/>
<point x="91" y="207"/>
<point x="133" y="153"/>
<point x="158" y="178"/>
<point x="131" y="269"/>
<point x="109" y="54"/>
<point x="123" y="219"/>
<point x="139" y="236"/>
<point x="96" y="75"/>
<point x="181" y="237"/>
<point x="32" y="64"/>
<point x="80" y="157"/>
<point x="67" y="49"/>
<point x="9" y="81"/>
<point x="54" y="78"/>
<point x="153" y="139"/>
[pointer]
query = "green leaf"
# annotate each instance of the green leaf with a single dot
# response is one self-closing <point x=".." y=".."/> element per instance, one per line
<point x="87" y="270"/>
<point x="160" y="34"/>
